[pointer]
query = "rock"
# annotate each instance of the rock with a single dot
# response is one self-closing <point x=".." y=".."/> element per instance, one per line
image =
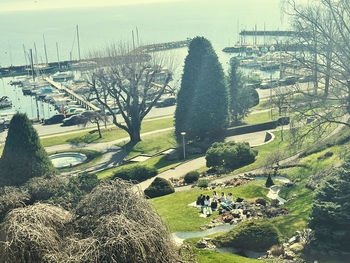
<point x="293" y="240"/>
<point x="205" y="243"/>
<point x="289" y="255"/>
<point x="297" y="247"/>
<point x="227" y="218"/>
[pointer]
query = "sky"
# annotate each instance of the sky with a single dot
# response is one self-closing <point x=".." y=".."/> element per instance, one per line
<point x="26" y="5"/>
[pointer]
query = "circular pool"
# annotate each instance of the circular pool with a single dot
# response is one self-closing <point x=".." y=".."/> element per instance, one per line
<point x="63" y="160"/>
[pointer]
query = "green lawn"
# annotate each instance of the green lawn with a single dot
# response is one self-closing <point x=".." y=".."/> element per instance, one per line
<point x="108" y="134"/>
<point x="152" y="144"/>
<point x="179" y="216"/>
<point x="159" y="162"/>
<point x="259" y="117"/>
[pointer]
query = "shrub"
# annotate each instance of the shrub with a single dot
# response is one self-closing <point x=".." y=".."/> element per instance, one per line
<point x="230" y="155"/>
<point x="330" y="214"/>
<point x="203" y="184"/>
<point x="40" y="188"/>
<point x="23" y="156"/>
<point x="269" y="181"/>
<point x="136" y="173"/>
<point x="251" y="128"/>
<point x="257" y="235"/>
<point x="191" y="177"/>
<point x="159" y="187"/>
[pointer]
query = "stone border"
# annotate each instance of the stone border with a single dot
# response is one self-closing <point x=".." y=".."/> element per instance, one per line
<point x="67" y="153"/>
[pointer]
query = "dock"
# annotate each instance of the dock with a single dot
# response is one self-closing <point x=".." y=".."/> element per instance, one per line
<point x="162" y="46"/>
<point x="275" y="33"/>
<point x="81" y="101"/>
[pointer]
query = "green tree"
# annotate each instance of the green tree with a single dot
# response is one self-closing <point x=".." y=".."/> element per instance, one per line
<point x="209" y="114"/>
<point x="242" y="97"/>
<point x="23" y="156"/>
<point x="330" y="216"/>
<point x="189" y="82"/>
<point x="159" y="187"/>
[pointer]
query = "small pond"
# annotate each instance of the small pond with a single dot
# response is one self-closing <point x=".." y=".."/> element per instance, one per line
<point x="63" y="160"/>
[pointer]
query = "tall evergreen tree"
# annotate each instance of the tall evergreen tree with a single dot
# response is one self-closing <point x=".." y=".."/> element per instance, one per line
<point x="23" y="156"/>
<point x="242" y="97"/>
<point x="197" y="48"/>
<point x="202" y="103"/>
<point x="209" y="115"/>
<point x="330" y="216"/>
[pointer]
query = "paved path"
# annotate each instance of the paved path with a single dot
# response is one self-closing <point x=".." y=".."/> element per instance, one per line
<point x="255" y="139"/>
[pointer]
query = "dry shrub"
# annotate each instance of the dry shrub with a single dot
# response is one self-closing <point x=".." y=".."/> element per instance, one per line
<point x="28" y="234"/>
<point x="114" y="223"/>
<point x="125" y="225"/>
<point x="276" y="251"/>
<point x="12" y="197"/>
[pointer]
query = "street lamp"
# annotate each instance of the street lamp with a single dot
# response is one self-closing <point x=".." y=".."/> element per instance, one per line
<point x="183" y="143"/>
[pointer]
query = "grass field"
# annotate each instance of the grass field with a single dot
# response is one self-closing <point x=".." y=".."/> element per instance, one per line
<point x="152" y="144"/>
<point x="179" y="216"/>
<point x="108" y="134"/>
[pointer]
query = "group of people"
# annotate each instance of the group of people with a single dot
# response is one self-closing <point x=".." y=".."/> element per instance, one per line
<point x="208" y="205"/>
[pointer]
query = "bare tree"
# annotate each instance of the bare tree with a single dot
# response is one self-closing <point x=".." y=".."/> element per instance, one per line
<point x="94" y="117"/>
<point x="133" y="83"/>
<point x="324" y="41"/>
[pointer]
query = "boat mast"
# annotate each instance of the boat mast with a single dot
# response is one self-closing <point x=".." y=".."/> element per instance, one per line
<point x="58" y="56"/>
<point x="137" y="36"/>
<point x="45" y="49"/>
<point x="32" y="64"/>
<point x="133" y="40"/>
<point x="25" y="55"/>
<point x="78" y="42"/>
<point x="36" y="54"/>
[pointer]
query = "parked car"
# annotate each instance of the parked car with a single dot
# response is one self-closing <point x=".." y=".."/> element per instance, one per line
<point x="74" y="120"/>
<point x="288" y="81"/>
<point x="307" y="78"/>
<point x="58" y="118"/>
<point x="166" y="102"/>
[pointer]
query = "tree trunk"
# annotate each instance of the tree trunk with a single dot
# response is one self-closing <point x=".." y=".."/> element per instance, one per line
<point x="99" y="130"/>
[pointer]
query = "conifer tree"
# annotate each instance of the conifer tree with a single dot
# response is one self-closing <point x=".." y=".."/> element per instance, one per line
<point x="202" y="99"/>
<point x="193" y="62"/>
<point x="209" y="115"/>
<point x="23" y="156"/>
<point x="330" y="216"/>
<point x="242" y="97"/>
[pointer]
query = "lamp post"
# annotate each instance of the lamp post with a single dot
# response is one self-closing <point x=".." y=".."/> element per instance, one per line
<point x="183" y="143"/>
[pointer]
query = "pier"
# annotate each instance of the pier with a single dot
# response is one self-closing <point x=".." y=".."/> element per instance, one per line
<point x="162" y="46"/>
<point x="81" y="101"/>
<point x="275" y="33"/>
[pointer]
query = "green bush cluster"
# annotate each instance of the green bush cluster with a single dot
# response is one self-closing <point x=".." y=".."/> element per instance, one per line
<point x="23" y="157"/>
<point x="269" y="181"/>
<point x="159" y="187"/>
<point x="251" y="128"/>
<point x="137" y="173"/>
<point x="230" y="155"/>
<point x="257" y="235"/>
<point x="203" y="184"/>
<point x="191" y="177"/>
<point x="330" y="214"/>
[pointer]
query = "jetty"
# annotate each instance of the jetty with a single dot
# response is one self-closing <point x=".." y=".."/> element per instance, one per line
<point x="79" y="99"/>
<point x="275" y="33"/>
<point x="162" y="46"/>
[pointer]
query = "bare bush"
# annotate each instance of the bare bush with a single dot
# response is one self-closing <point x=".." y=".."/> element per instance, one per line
<point x="28" y="234"/>
<point x="10" y="198"/>
<point x="114" y="223"/>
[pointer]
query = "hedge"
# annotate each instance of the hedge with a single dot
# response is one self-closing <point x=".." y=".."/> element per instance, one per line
<point x="159" y="187"/>
<point x="257" y="127"/>
<point x="136" y="173"/>
<point x="191" y="177"/>
<point x="257" y="235"/>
